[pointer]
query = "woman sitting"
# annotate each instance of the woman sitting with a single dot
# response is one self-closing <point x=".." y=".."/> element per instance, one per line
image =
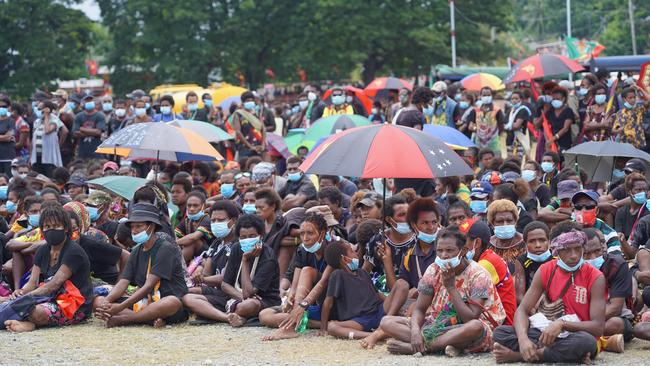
<point x="502" y="215"/>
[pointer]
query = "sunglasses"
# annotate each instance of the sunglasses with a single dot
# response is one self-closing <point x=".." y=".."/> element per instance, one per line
<point x="243" y="174"/>
<point x="584" y="207"/>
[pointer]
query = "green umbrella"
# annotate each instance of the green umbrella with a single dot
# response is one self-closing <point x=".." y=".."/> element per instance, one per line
<point x="119" y="185"/>
<point x="330" y="125"/>
<point x="293" y="139"/>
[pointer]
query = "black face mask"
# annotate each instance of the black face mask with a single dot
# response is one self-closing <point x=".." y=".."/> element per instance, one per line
<point x="55" y="237"/>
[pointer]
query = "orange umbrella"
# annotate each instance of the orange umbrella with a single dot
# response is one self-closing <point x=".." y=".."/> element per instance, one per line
<point x="361" y="97"/>
<point x="478" y="81"/>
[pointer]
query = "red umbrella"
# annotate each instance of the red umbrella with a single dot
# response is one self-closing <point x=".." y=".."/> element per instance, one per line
<point x="539" y="66"/>
<point x="386" y="83"/>
<point x="359" y="97"/>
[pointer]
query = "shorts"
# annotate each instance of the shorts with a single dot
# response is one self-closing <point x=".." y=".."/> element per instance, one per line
<point x="370" y="322"/>
<point x="219" y="300"/>
<point x="313" y="312"/>
<point x="56" y="317"/>
<point x="481" y="344"/>
<point x="628" y="329"/>
<point x="180" y="316"/>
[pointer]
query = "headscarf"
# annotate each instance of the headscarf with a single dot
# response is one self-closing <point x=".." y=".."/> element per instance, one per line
<point x="81" y="212"/>
<point x="565" y="239"/>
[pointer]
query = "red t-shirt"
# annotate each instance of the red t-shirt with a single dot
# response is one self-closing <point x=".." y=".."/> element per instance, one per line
<point x="502" y="280"/>
<point x="578" y="297"/>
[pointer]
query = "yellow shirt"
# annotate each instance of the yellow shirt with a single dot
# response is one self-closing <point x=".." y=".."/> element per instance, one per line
<point x="331" y="111"/>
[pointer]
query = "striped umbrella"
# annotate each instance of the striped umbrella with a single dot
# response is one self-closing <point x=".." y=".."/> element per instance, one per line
<point x="539" y="66"/>
<point x="385" y="151"/>
<point x="386" y="83"/>
<point x="476" y="82"/>
<point x="159" y="141"/>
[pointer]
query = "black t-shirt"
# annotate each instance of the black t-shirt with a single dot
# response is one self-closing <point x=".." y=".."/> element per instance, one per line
<point x="618" y="193"/>
<point x="639" y="238"/>
<point x="8" y="148"/>
<point x="398" y="250"/>
<point x="524" y="219"/>
<point x="543" y="194"/>
<point x="109" y="228"/>
<point x="410" y="118"/>
<point x="525" y="115"/>
<point x="267" y="273"/>
<point x="353" y="293"/>
<point x="166" y="263"/>
<point x="624" y="220"/>
<point x="103" y="258"/>
<point x="303" y="258"/>
<point x="530" y="267"/>
<point x="219" y="253"/>
<point x="618" y="276"/>
<point x="77" y="261"/>
<point x="88" y="145"/>
<point x="557" y="122"/>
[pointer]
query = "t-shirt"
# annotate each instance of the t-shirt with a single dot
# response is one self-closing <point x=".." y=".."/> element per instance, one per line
<point x="8" y="148"/>
<point x="543" y="194"/>
<point x="353" y="293"/>
<point x="398" y="250"/>
<point x="303" y="186"/>
<point x="77" y="261"/>
<point x="166" y="263"/>
<point x="103" y="258"/>
<point x="557" y="122"/>
<point x="415" y="263"/>
<point x="266" y="279"/>
<point x="219" y="253"/>
<point x="410" y="117"/>
<point x="88" y="145"/>
<point x="39" y="132"/>
<point x="639" y="238"/>
<point x="530" y="267"/>
<point x="109" y="228"/>
<point x="303" y="258"/>
<point x="617" y="276"/>
<point x="187" y="226"/>
<point x="502" y="280"/>
<point x="625" y="221"/>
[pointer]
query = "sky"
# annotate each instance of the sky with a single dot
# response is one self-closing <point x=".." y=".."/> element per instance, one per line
<point x="91" y="9"/>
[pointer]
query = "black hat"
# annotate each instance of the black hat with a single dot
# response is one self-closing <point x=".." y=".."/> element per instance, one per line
<point x="144" y="212"/>
<point x="76" y="180"/>
<point x="40" y="96"/>
<point x="136" y="94"/>
<point x="635" y="165"/>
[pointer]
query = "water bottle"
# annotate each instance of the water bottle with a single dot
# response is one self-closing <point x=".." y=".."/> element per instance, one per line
<point x="302" y="326"/>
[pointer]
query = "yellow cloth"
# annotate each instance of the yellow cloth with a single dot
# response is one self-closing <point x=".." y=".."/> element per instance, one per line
<point x="331" y="111"/>
<point x="30" y="237"/>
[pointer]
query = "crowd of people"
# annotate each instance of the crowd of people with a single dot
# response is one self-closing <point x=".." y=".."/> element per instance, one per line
<point x="525" y="258"/>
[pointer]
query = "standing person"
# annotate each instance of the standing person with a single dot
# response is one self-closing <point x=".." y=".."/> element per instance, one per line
<point x="7" y="137"/>
<point x="518" y="139"/>
<point x="191" y="107"/>
<point x="49" y="134"/>
<point x="487" y="123"/>
<point x="339" y="105"/>
<point x="628" y="122"/>
<point x="467" y="112"/>
<point x="251" y="140"/>
<point x="88" y="128"/>
<point x="166" y="110"/>
<point x="560" y="118"/>
<point x="414" y="114"/>
<point x="404" y="100"/>
<point x="597" y="123"/>
<point x="377" y="113"/>
<point x="315" y="106"/>
<point x="22" y="130"/>
<point x="444" y="108"/>
<point x="118" y="118"/>
<point x="139" y="113"/>
<point x="208" y="113"/>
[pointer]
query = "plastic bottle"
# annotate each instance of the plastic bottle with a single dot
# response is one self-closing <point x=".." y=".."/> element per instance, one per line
<point x="302" y="326"/>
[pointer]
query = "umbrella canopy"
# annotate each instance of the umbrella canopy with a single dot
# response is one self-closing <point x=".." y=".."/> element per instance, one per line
<point x="597" y="158"/>
<point x="476" y="82"/>
<point x="386" y="83"/>
<point x="359" y="96"/>
<point x="293" y="139"/>
<point x="330" y="125"/>
<point x="225" y="104"/>
<point x="206" y="130"/>
<point x="158" y="141"/>
<point x="539" y="66"/>
<point x="226" y="91"/>
<point x="450" y="136"/>
<point x="250" y="117"/>
<point x="277" y="145"/>
<point x="118" y="185"/>
<point x="385" y="151"/>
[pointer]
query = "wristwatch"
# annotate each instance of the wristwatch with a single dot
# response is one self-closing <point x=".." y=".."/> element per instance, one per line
<point x="304" y="304"/>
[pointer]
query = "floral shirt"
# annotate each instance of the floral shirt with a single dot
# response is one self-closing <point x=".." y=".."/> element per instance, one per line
<point x="631" y="120"/>
<point x="473" y="283"/>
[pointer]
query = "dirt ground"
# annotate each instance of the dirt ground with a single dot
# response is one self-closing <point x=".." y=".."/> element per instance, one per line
<point x="91" y="344"/>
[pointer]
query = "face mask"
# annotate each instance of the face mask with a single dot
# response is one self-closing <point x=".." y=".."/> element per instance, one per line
<point x="147" y="105"/>
<point x="166" y="110"/>
<point x="479" y="103"/>
<point x="539" y="258"/>
<point x="195" y="217"/>
<point x="618" y="174"/>
<point x="457" y="97"/>
<point x="227" y="190"/>
<point x="600" y="98"/>
<point x="120" y="112"/>
<point x="208" y="103"/>
<point x="516" y="105"/>
<point x="34" y="219"/>
<point x="140" y="112"/>
<point x="312" y="249"/>
<point x="354" y="264"/>
<point x="427" y="238"/>
<point x="348" y="99"/>
<point x="71" y="106"/>
<point x="557" y="104"/>
<point x="628" y="105"/>
<point x="428" y="111"/>
<point x="464" y="105"/>
<point x="338" y="99"/>
<point x="38" y="113"/>
<point x="107" y="107"/>
<point x="547" y="167"/>
<point x="247" y="245"/>
<point x="508" y="94"/>
<point x="403" y="98"/>
<point x="93" y="213"/>
<point x="566" y="268"/>
<point x="3" y="192"/>
<point x="303" y="104"/>
<point x="528" y="175"/>
<point x="470" y="254"/>
<point x="442" y="263"/>
<point x="89" y="106"/>
<point x="639" y="198"/>
<point x="311" y="96"/>
<point x="486" y="99"/>
<point x="505" y="231"/>
<point x="374" y="111"/>
<point x="220" y="229"/>
<point x="10" y="206"/>
<point x="249" y="106"/>
<point x="295" y="109"/>
<point x="141" y="237"/>
<point x="54" y="237"/>
<point x="328" y="236"/>
<point x="402" y="228"/>
<point x="192" y="107"/>
<point x="478" y="207"/>
<point x="4" y="111"/>
<point x="596" y="262"/>
<point x="437" y="99"/>
<point x="583" y="91"/>
<point x="586" y="218"/>
<point x="294" y="177"/>
<point x="249" y="208"/>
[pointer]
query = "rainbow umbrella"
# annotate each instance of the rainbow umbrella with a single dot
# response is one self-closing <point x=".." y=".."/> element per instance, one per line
<point x="478" y="81"/>
<point x="159" y="141"/>
<point x="540" y="66"/>
<point x="294" y="138"/>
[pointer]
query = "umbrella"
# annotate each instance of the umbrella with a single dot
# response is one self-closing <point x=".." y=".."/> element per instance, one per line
<point x="331" y="125"/>
<point x="225" y="104"/>
<point x="226" y="91"/>
<point x="359" y="97"/>
<point x="119" y="185"/>
<point x="250" y="117"/>
<point x="160" y="141"/>
<point x="206" y="130"/>
<point x="542" y="65"/>
<point x="451" y="136"/>
<point x="476" y="82"/>
<point x="277" y="145"/>
<point x="386" y="83"/>
<point x="597" y="158"/>
<point x="293" y="139"/>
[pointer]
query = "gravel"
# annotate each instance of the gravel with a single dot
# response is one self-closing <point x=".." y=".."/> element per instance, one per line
<point x="92" y="344"/>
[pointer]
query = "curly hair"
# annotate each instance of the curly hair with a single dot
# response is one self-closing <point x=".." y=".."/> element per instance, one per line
<point x="501" y="206"/>
<point x="421" y="205"/>
<point x="632" y="178"/>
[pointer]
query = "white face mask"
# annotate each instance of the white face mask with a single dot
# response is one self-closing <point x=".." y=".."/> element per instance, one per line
<point x="311" y="96"/>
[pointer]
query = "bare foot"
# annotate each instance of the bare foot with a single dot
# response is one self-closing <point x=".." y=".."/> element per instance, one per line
<point x="370" y="341"/>
<point x="236" y="320"/>
<point x="159" y="323"/>
<point x="587" y="360"/>
<point x="281" y="334"/>
<point x="452" y="351"/>
<point x="113" y="321"/>
<point x="15" y="326"/>
<point x="505" y="355"/>
<point x="399" y="348"/>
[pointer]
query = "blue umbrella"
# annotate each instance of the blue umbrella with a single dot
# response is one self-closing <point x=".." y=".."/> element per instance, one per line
<point x="225" y="104"/>
<point x="450" y="136"/>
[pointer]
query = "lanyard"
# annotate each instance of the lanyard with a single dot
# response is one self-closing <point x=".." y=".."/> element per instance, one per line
<point x="636" y="221"/>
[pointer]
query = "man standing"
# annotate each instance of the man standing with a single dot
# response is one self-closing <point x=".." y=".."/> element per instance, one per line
<point x="444" y="108"/>
<point x="7" y="137"/>
<point x="88" y="128"/>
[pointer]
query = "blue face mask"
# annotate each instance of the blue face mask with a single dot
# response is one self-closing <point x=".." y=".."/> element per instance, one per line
<point x="38" y="113"/>
<point x="640" y="198"/>
<point x="141" y="237"/>
<point x="628" y="105"/>
<point x="618" y="174"/>
<point x="516" y="105"/>
<point x="505" y="231"/>
<point x="249" y="208"/>
<point x="93" y="212"/>
<point x="566" y="268"/>
<point x="528" y="175"/>
<point x="249" y="244"/>
<point x="596" y="262"/>
<point x="208" y="103"/>
<point x="557" y="104"/>
<point x="428" y="111"/>
<point x="402" y="228"/>
<point x="442" y="263"/>
<point x="195" y="217"/>
<point x="89" y="106"/>
<point x="338" y="99"/>
<point x="166" y="110"/>
<point x="34" y="219"/>
<point x="463" y="105"/>
<point x="107" y="107"/>
<point x="427" y="238"/>
<point x="220" y="229"/>
<point x="486" y="99"/>
<point x="328" y="236"/>
<point x="539" y="258"/>
<point x="249" y="106"/>
<point x="147" y="105"/>
<point x="3" y="192"/>
<point x="354" y="264"/>
<point x="583" y="91"/>
<point x="547" y="166"/>
<point x="295" y="109"/>
<point x="478" y="207"/>
<point x="192" y="107"/>
<point x="294" y="177"/>
<point x="10" y="206"/>
<point x="140" y="112"/>
<point x="227" y="190"/>
<point x="312" y="249"/>
<point x="600" y="98"/>
<point x="4" y="111"/>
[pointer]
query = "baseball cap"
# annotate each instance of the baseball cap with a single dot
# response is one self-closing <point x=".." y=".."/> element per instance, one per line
<point x="98" y="198"/>
<point x="510" y="177"/>
<point x="61" y="93"/>
<point x="87" y="95"/>
<point x="635" y="165"/>
<point x="567" y="189"/>
<point x="439" y="86"/>
<point x="136" y="94"/>
<point x="369" y="199"/>
<point x="76" y="180"/>
<point x="566" y="84"/>
<point x="482" y="189"/>
<point x="110" y="165"/>
<point x="587" y="193"/>
<point x="40" y="96"/>
<point x="476" y="228"/>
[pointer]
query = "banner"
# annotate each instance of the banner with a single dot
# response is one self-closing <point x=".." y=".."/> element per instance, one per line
<point x="582" y="50"/>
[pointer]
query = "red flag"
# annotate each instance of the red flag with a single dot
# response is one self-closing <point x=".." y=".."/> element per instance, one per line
<point x="91" y="66"/>
<point x="548" y="132"/>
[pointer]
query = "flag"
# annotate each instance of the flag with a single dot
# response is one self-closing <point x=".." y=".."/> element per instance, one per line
<point x="91" y="67"/>
<point x="582" y="49"/>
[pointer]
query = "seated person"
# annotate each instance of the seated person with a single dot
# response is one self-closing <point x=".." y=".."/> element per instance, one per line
<point x="350" y="295"/>
<point x="480" y="199"/>
<point x="457" y="306"/>
<point x="585" y="208"/>
<point x="181" y="187"/>
<point x="537" y="253"/>
<point x="629" y="215"/>
<point x="26" y="241"/>
<point x="299" y="188"/>
<point x="155" y="267"/>
<point x="64" y="265"/>
<point x="250" y="280"/>
<point x="309" y="274"/>
<point x="457" y="212"/>
<point x="335" y="231"/>
<point x="568" y="281"/>
<point x="193" y="232"/>
<point x="560" y="209"/>
<point x="506" y="242"/>
<point x="97" y="205"/>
